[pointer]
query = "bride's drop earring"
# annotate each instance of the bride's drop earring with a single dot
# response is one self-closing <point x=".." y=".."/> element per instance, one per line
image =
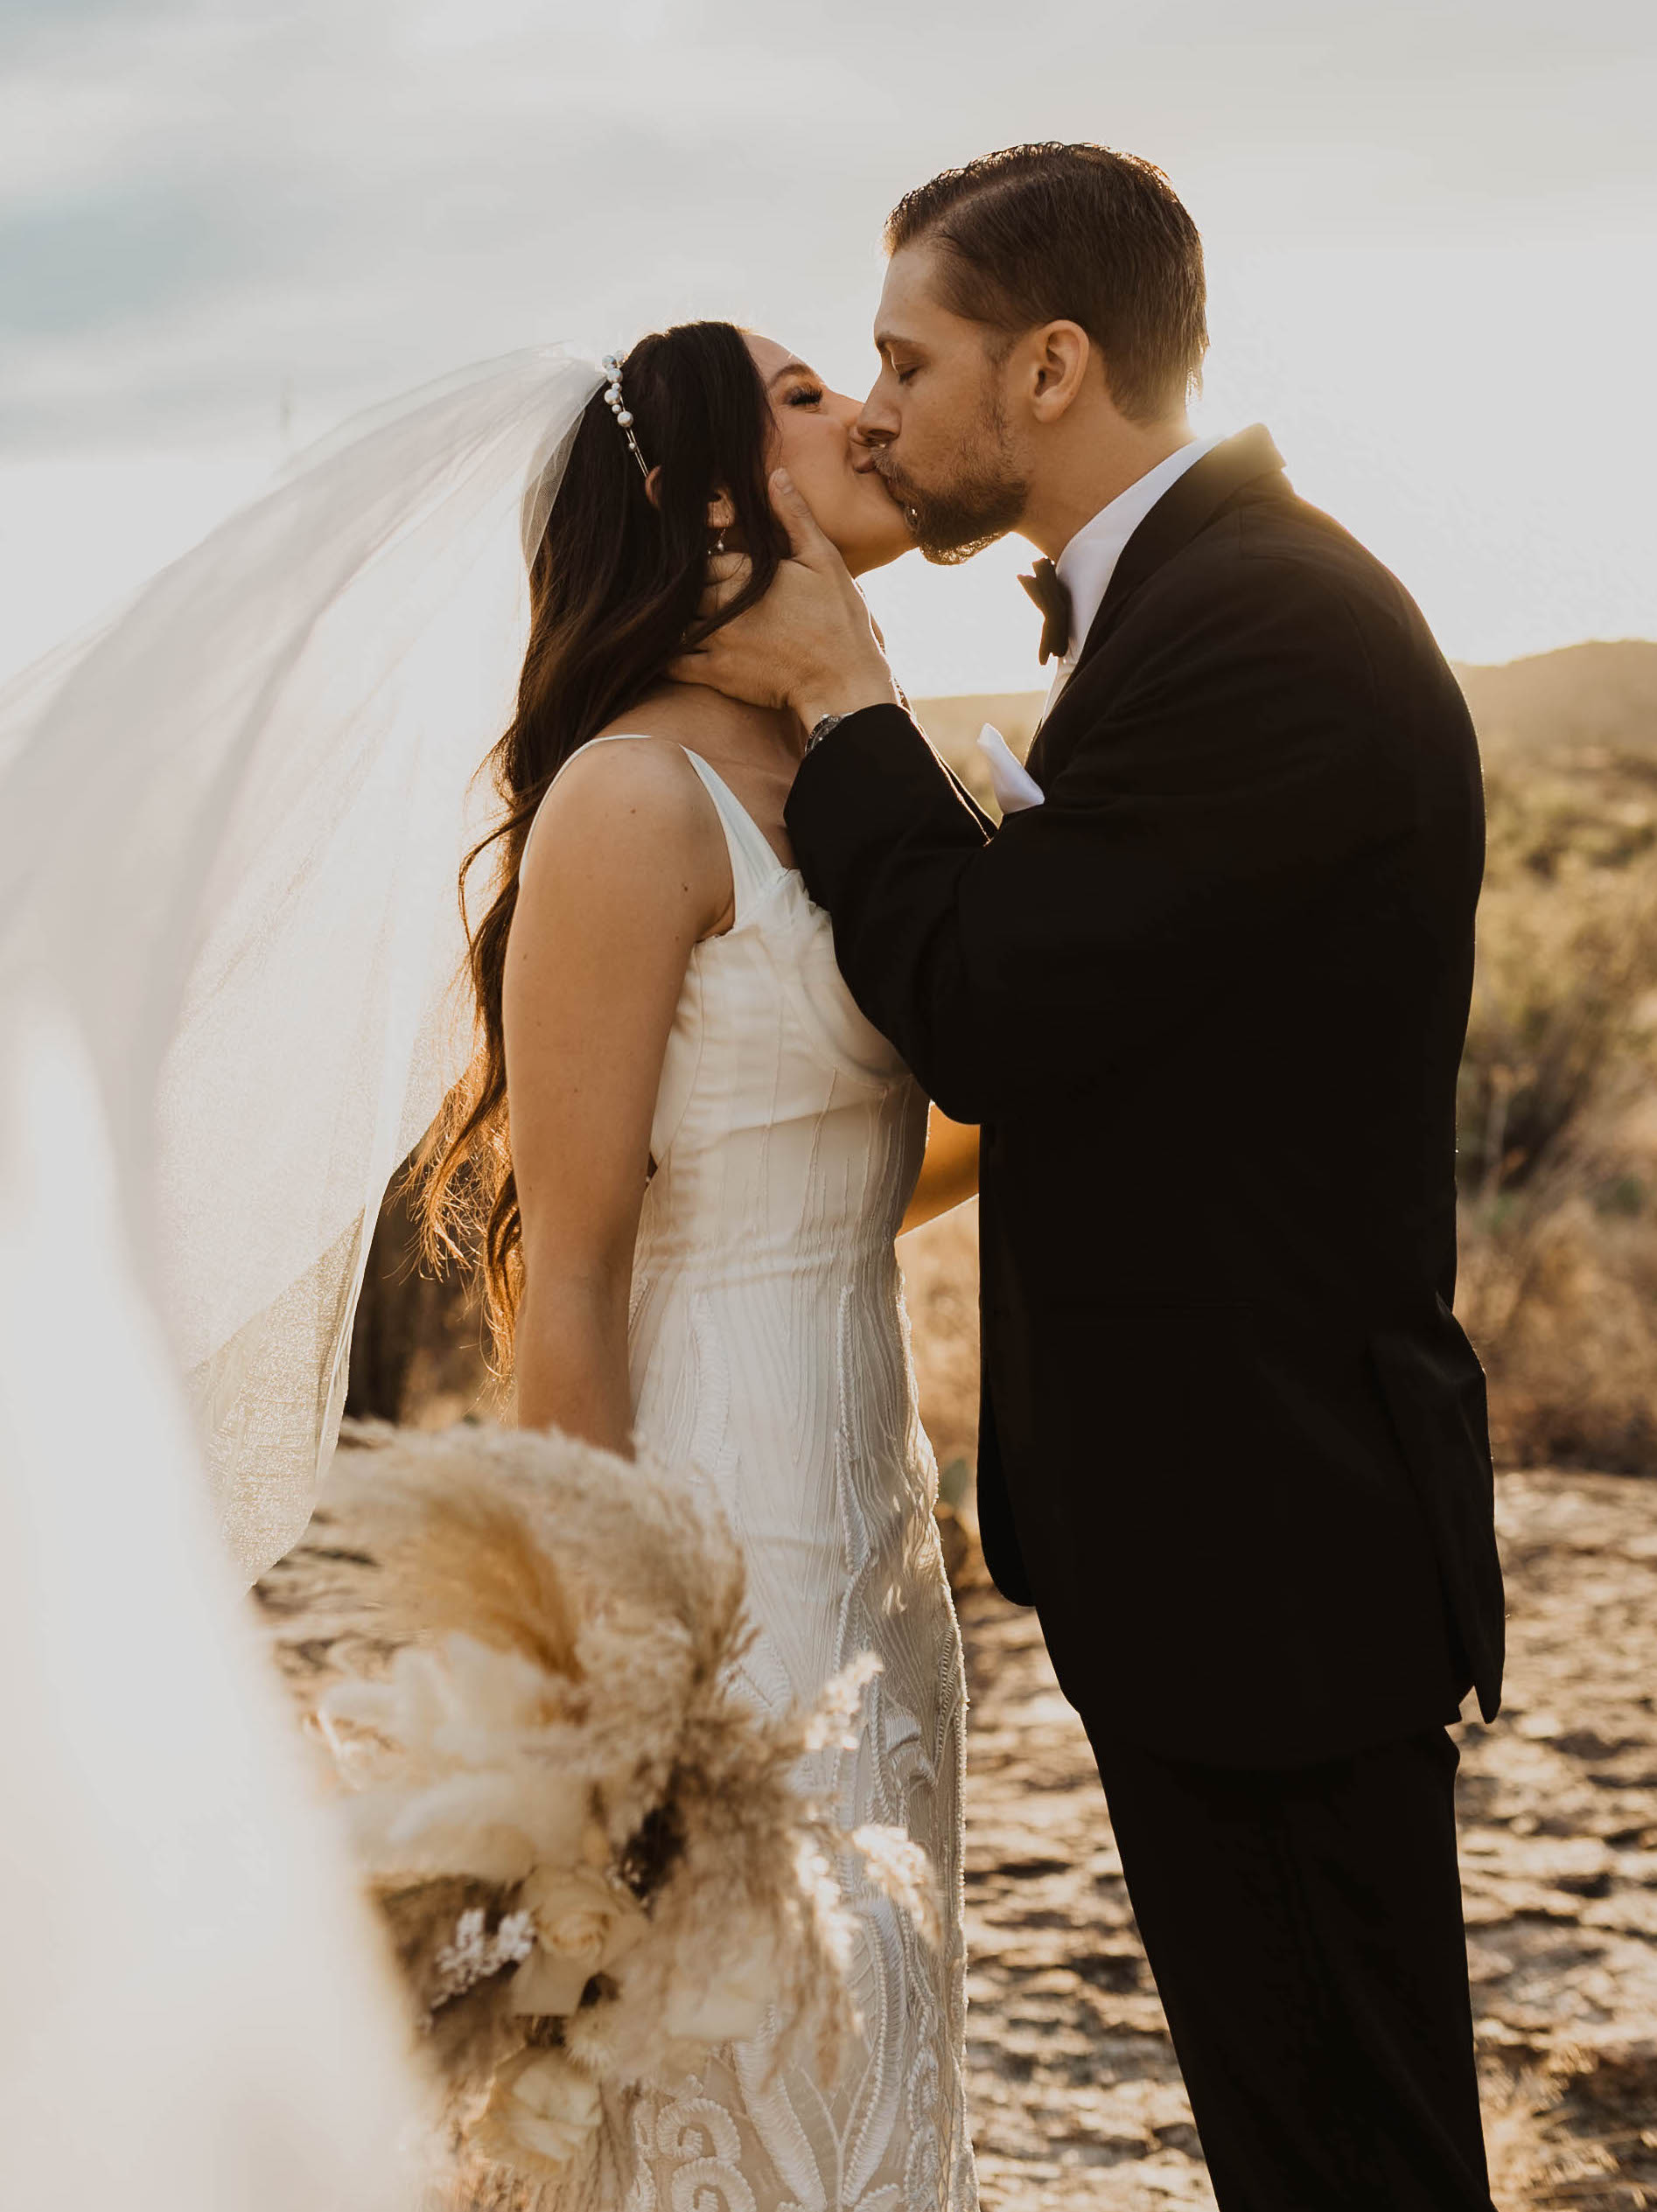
<point x="719" y="542"/>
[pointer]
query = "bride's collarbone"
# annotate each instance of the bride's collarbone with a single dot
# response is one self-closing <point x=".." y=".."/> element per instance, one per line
<point x="762" y="792"/>
<point x="759" y="787"/>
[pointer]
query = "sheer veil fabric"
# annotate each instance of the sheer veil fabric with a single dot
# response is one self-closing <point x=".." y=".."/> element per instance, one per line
<point x="196" y="2012"/>
<point x="230" y="824"/>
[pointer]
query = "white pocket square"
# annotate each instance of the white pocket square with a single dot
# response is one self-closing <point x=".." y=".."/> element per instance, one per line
<point x="1015" y="787"/>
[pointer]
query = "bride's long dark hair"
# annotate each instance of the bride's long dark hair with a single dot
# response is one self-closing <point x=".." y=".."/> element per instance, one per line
<point x="615" y="585"/>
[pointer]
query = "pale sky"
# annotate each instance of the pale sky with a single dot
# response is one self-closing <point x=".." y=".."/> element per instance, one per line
<point x="1431" y="234"/>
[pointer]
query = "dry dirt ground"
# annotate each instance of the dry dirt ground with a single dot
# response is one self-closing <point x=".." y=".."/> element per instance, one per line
<point x="1078" y="2101"/>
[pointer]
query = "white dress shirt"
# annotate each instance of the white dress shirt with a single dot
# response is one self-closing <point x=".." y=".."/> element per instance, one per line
<point x="1089" y="561"/>
<point x="1085" y="569"/>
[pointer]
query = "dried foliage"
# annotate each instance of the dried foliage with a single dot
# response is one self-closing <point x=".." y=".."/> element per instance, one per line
<point x="417" y="1353"/>
<point x="592" y="1849"/>
<point x="1559" y="1237"/>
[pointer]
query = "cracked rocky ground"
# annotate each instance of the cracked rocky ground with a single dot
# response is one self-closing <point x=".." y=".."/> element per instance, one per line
<point x="1076" y="2100"/>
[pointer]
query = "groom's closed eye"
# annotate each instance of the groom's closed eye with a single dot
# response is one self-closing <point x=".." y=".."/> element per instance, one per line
<point x="899" y="357"/>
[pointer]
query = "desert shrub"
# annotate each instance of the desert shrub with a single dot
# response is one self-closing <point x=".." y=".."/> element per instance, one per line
<point x="1558" y="1032"/>
<point x="1594" y="809"/>
<point x="417" y="1346"/>
<point x="1559" y="1236"/>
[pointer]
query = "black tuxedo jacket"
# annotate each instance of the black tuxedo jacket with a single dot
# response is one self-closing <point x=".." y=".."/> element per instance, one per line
<point x="1209" y="1002"/>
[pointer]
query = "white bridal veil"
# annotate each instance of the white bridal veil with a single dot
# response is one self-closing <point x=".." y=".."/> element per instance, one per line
<point x="195" y="2014"/>
<point x="230" y="824"/>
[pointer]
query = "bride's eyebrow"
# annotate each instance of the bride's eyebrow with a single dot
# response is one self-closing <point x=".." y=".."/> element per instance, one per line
<point x="790" y="368"/>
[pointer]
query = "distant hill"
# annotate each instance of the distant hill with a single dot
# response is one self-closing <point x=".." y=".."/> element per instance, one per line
<point x="1600" y="698"/>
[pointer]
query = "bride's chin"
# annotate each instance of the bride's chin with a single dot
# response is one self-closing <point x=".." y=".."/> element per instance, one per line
<point x="883" y="557"/>
<point x="878" y="548"/>
<point x="863" y="559"/>
<point x="883" y="535"/>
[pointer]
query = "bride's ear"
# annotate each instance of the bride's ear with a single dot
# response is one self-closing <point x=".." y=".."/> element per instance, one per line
<point x="653" y="485"/>
<point x="722" y="512"/>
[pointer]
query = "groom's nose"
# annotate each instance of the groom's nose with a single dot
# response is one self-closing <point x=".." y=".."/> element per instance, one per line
<point x="874" y="427"/>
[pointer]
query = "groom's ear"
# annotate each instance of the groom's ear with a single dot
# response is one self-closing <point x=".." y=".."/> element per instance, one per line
<point x="1058" y="356"/>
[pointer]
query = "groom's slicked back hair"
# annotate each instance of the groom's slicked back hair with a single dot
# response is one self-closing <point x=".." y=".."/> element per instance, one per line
<point x="1052" y="233"/>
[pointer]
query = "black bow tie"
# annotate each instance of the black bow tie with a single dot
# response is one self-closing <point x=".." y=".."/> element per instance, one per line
<point x="1050" y="595"/>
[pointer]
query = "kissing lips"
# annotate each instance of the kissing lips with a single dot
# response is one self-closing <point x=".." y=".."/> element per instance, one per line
<point x="889" y="484"/>
<point x="911" y="520"/>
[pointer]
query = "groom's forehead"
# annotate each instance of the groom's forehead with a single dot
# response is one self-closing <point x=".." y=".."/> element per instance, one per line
<point x="909" y="309"/>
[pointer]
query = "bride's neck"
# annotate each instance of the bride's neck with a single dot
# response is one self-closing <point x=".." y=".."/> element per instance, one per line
<point x="693" y="710"/>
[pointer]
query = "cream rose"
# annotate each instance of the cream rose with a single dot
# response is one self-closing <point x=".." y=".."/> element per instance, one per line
<point x="541" y="2112"/>
<point x="583" y="1923"/>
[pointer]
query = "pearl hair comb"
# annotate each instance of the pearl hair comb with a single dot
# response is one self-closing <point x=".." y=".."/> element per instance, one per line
<point x="617" y="407"/>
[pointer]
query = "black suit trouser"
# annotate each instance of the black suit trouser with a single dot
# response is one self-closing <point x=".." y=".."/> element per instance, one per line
<point x="1305" y="1930"/>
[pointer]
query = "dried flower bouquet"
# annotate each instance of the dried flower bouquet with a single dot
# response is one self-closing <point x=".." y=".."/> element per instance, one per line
<point x="590" y="1847"/>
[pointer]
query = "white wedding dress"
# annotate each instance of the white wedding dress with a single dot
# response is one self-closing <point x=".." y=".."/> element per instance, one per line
<point x="770" y="1356"/>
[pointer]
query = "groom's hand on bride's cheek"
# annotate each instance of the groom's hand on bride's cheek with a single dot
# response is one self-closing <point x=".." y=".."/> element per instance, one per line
<point x="809" y="645"/>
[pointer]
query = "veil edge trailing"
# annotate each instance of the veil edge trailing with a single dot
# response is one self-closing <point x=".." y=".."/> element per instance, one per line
<point x="232" y="820"/>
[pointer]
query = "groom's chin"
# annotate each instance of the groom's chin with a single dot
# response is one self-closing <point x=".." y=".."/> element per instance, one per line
<point x="947" y="532"/>
<point x="952" y="555"/>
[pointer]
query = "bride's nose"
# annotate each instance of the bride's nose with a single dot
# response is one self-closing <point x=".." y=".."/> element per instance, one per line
<point x="850" y="414"/>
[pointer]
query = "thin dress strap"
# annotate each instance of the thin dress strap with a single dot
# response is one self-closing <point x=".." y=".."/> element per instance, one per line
<point x="754" y="866"/>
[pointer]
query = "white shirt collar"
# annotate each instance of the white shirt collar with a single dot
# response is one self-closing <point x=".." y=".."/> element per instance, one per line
<point x="1089" y="561"/>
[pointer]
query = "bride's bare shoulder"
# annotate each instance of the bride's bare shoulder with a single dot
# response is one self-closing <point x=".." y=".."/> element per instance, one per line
<point x="627" y="811"/>
<point x="624" y="774"/>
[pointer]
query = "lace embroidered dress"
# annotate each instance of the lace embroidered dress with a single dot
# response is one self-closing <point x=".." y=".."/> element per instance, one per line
<point x="769" y="1350"/>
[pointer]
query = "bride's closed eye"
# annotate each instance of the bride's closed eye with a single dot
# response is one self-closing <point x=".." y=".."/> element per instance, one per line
<point x="804" y="396"/>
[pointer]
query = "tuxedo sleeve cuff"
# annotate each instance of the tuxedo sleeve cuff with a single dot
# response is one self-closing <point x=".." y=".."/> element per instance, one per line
<point x="885" y="724"/>
<point x="879" y="761"/>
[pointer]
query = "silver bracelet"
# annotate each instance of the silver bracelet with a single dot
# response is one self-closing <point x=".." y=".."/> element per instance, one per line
<point x="819" y="730"/>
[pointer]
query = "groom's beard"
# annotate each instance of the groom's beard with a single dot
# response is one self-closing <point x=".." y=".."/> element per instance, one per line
<point x="984" y="500"/>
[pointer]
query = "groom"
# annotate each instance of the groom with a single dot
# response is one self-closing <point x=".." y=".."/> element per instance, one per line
<point x="1206" y="999"/>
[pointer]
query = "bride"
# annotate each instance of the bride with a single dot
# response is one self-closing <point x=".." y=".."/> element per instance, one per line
<point x="230" y="820"/>
<point x="683" y="1156"/>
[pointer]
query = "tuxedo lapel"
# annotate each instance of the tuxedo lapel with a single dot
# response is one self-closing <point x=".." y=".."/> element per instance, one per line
<point x="1186" y="508"/>
<point x="1249" y="460"/>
